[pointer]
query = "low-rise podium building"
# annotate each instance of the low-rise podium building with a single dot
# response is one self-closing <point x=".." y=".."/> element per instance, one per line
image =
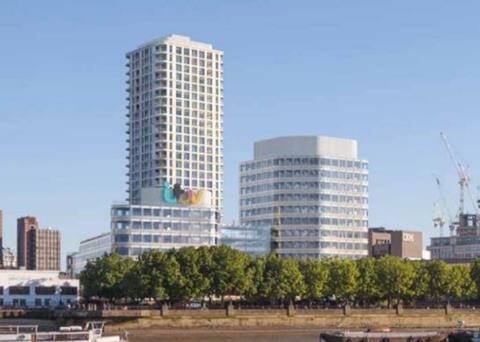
<point x="36" y="289"/>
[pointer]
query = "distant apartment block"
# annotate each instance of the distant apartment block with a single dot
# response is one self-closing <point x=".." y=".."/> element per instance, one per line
<point x="404" y="244"/>
<point x="45" y="245"/>
<point x="37" y="249"/>
<point x="313" y="193"/>
<point x="24" y="226"/>
<point x="9" y="258"/>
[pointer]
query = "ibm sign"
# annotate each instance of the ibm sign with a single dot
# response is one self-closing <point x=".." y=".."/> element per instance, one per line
<point x="408" y="237"/>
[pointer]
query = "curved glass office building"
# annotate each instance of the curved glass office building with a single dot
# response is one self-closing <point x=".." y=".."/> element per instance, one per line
<point x="312" y="191"/>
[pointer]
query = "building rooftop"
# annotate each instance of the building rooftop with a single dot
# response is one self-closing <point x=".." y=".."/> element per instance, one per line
<point x="179" y="40"/>
<point x="306" y="145"/>
<point x="95" y="237"/>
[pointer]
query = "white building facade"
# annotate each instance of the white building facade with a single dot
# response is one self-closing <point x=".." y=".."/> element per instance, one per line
<point x="175" y="147"/>
<point x="89" y="249"/>
<point x="36" y="289"/>
<point x="141" y="228"/>
<point x="175" y="116"/>
<point x="312" y="191"/>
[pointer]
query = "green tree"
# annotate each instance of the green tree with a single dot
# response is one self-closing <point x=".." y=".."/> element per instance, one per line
<point x="229" y="274"/>
<point x="396" y="277"/>
<point x="475" y="274"/>
<point x="154" y="275"/>
<point x="103" y="277"/>
<point x="205" y="267"/>
<point x="196" y="285"/>
<point x="315" y="275"/>
<point x="283" y="281"/>
<point x="342" y="279"/>
<point x="174" y="281"/>
<point x="438" y="277"/>
<point x="256" y="291"/>
<point x="367" y="285"/>
<point x="460" y="283"/>
<point x="421" y="282"/>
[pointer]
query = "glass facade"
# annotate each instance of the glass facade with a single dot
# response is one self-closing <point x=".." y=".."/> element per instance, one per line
<point x="251" y="240"/>
<point x="139" y="228"/>
<point x="89" y="249"/>
<point x="317" y="206"/>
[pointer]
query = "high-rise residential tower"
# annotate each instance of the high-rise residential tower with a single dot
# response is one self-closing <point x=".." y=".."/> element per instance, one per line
<point x="175" y="116"/>
<point x="24" y="226"/>
<point x="45" y="249"/>
<point x="175" y="147"/>
<point x="312" y="192"/>
<point x="37" y="249"/>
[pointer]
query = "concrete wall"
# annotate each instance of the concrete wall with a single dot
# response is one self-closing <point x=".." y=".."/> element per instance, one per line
<point x="318" y="319"/>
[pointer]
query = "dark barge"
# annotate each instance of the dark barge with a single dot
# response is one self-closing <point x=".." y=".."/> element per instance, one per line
<point x="384" y="336"/>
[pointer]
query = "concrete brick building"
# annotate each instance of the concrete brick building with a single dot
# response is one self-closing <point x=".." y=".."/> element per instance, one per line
<point x="37" y="249"/>
<point x="45" y="247"/>
<point x="24" y="226"/>
<point x="401" y="243"/>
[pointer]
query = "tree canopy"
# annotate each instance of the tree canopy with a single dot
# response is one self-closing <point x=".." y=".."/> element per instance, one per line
<point x="190" y="274"/>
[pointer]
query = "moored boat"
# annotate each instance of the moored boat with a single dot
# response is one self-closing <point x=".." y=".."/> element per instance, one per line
<point x="92" y="332"/>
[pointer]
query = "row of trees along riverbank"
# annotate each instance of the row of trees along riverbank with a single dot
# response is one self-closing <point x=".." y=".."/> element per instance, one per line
<point x="190" y="274"/>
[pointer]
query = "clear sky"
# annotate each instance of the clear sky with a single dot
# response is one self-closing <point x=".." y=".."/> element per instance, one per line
<point x="390" y="74"/>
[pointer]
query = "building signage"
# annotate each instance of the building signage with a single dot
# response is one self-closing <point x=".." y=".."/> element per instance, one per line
<point x="177" y="195"/>
<point x="408" y="237"/>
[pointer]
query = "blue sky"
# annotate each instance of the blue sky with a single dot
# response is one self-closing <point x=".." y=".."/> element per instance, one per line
<point x="390" y="74"/>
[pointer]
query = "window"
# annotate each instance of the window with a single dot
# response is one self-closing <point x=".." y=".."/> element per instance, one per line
<point x="38" y="302"/>
<point x="44" y="290"/>
<point x="19" y="290"/>
<point x="69" y="290"/>
<point x="122" y="250"/>
<point x="121" y="238"/>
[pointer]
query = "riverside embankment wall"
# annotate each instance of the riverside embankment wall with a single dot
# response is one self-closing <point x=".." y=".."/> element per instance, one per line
<point x="328" y="319"/>
<point x="324" y="318"/>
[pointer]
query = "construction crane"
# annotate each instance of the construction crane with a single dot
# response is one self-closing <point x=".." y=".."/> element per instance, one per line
<point x="463" y="178"/>
<point x="439" y="221"/>
<point x="442" y="213"/>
